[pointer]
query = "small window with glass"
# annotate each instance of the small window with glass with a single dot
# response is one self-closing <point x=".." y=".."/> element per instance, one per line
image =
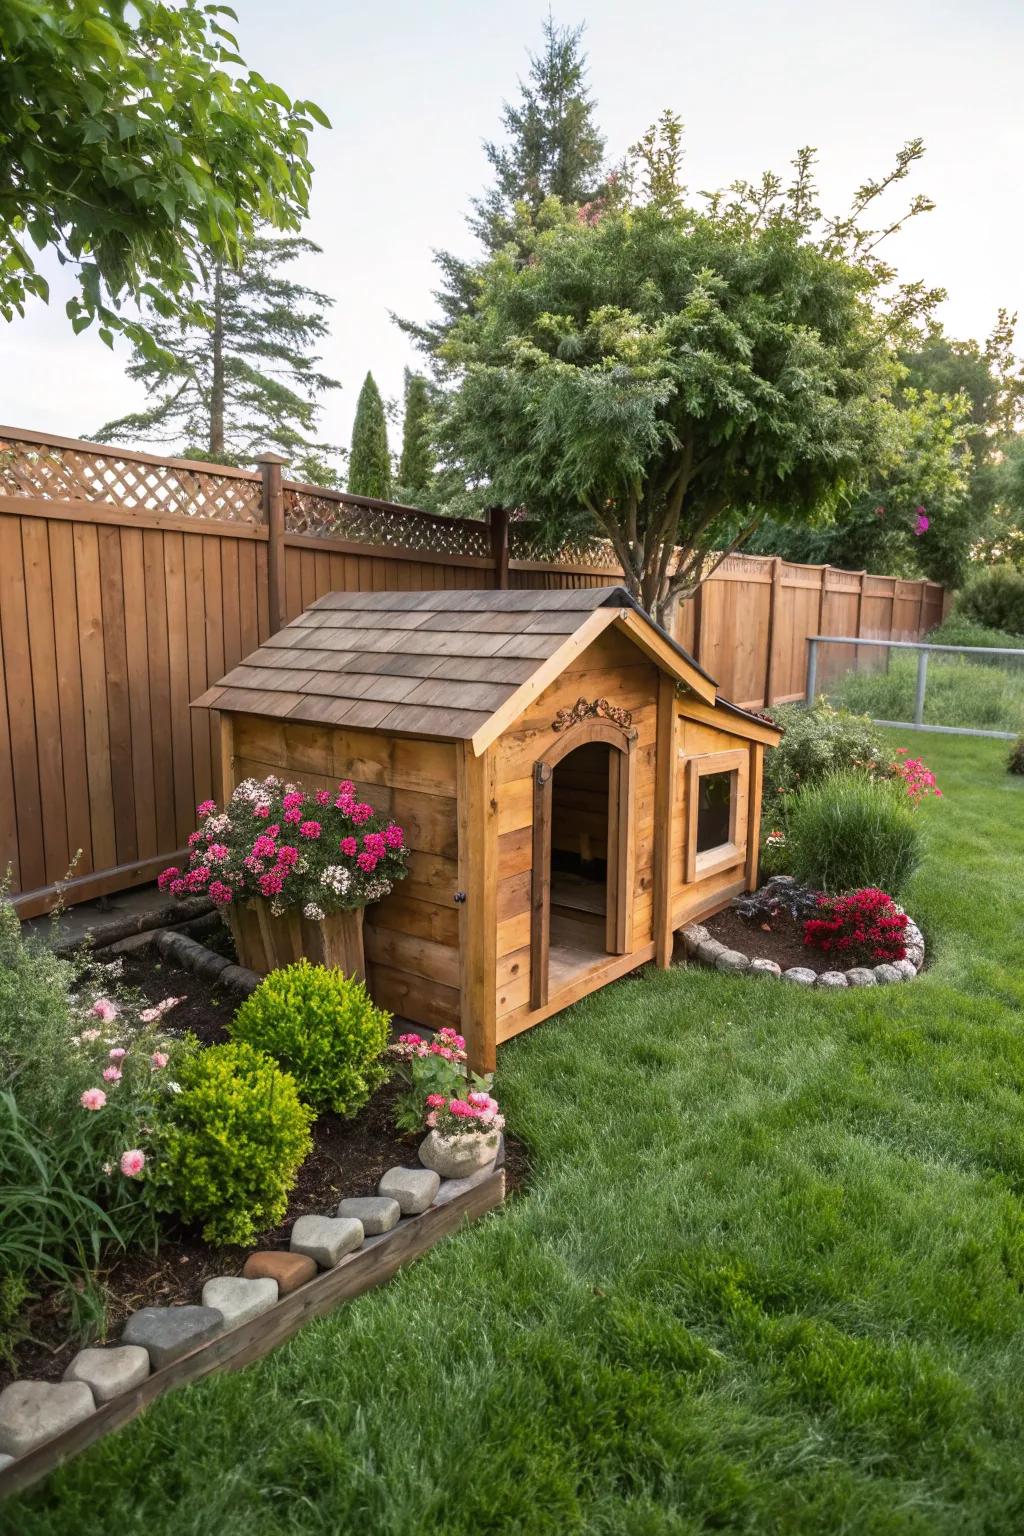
<point x="717" y="813"/>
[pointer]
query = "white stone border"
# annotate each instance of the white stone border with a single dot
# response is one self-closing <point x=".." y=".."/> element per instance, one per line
<point x="699" y="945"/>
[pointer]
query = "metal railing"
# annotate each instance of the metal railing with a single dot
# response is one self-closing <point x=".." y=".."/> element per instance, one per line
<point x="924" y="650"/>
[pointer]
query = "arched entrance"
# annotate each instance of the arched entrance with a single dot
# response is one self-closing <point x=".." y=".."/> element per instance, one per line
<point x="582" y="854"/>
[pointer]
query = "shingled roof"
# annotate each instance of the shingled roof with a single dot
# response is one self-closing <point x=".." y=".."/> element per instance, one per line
<point x="436" y="663"/>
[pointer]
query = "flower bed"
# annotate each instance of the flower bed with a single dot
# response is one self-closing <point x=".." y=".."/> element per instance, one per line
<point x="132" y="1015"/>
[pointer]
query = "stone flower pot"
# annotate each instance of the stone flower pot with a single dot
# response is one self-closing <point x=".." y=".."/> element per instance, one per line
<point x="265" y="942"/>
<point x="456" y="1157"/>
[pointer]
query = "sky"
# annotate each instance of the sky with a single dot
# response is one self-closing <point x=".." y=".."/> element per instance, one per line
<point x="414" y="87"/>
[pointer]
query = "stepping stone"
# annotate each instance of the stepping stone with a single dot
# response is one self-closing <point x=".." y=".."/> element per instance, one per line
<point x="290" y="1270"/>
<point x="800" y="976"/>
<point x="378" y="1213"/>
<point x="765" y="968"/>
<point x="832" y="979"/>
<point x="34" y="1411"/>
<point x="709" y="950"/>
<point x="239" y="1299"/>
<point x="861" y="976"/>
<point x="170" y="1332"/>
<point x="885" y="973"/>
<point x="109" y="1372"/>
<point x="326" y="1239"/>
<point x="415" y="1189"/>
<point x="732" y="960"/>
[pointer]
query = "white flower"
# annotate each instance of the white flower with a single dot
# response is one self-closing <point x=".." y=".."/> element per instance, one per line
<point x="313" y="912"/>
<point x="172" y="1087"/>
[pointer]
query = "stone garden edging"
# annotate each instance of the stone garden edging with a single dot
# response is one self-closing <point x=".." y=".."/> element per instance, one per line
<point x="241" y="1317"/>
<point x="700" y="946"/>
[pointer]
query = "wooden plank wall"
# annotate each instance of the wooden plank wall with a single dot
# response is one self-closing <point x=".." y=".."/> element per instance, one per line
<point x="115" y="612"/>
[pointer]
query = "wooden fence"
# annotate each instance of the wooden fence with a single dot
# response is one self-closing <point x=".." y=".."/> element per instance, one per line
<point x="129" y="582"/>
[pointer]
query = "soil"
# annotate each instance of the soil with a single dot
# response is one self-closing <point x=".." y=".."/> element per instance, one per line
<point x="782" y="942"/>
<point x="348" y="1158"/>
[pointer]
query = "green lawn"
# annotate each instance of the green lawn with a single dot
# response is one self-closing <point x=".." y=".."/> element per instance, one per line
<point x="768" y="1276"/>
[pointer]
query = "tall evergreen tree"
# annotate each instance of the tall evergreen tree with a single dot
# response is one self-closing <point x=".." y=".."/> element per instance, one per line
<point x="244" y="381"/>
<point x="553" y="148"/>
<point x="369" y="462"/>
<point x="416" y="465"/>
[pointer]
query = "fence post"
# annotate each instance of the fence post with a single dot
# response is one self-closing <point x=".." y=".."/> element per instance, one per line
<point x="922" y="681"/>
<point x="821" y="598"/>
<point x="773" y="606"/>
<point x="698" y="621"/>
<point x="812" y="671"/>
<point x="497" y="518"/>
<point x="273" y="516"/>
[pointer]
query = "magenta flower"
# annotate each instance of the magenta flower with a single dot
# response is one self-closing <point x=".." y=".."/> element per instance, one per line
<point x="218" y="851"/>
<point x="367" y="863"/>
<point x="132" y="1163"/>
<point x="158" y="1059"/>
<point x="93" y="1098"/>
<point x="393" y="835"/>
<point x="361" y="812"/>
<point x="117" y="1053"/>
<point x="309" y="829"/>
<point x="323" y="797"/>
<point x="206" y="808"/>
<point x="349" y="847"/>
<point x="220" y="894"/>
<point x="923" y="522"/>
<point x="112" y="1074"/>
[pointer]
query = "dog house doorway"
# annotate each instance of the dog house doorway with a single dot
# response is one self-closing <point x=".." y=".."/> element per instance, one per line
<point x="581" y="856"/>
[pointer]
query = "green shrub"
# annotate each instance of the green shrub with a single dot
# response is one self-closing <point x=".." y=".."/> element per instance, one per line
<point x="994" y="597"/>
<point x="959" y="630"/>
<point x="817" y="742"/>
<point x="319" y="1025"/>
<point x="36" y="1020"/>
<point x="1015" y="763"/>
<point x="984" y="692"/>
<point x="850" y="831"/>
<point x="236" y="1136"/>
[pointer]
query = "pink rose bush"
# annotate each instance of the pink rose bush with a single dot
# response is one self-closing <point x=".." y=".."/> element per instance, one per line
<point x="326" y="851"/>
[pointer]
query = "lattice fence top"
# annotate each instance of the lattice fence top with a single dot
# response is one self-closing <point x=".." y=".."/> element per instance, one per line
<point x="526" y="542"/>
<point x="364" y="521"/>
<point x="53" y="472"/>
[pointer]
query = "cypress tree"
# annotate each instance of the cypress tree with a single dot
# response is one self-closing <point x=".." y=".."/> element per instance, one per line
<point x="369" y="464"/>
<point x="416" y="466"/>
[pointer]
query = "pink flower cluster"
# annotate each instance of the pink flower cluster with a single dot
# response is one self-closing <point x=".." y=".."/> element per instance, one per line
<point x="447" y="1044"/>
<point x="265" y="843"/>
<point x="918" y="779"/>
<point x="476" y="1113"/>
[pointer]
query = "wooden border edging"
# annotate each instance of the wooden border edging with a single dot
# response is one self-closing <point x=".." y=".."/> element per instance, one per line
<point x="371" y="1265"/>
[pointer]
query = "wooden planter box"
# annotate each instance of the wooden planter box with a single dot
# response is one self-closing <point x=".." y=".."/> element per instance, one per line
<point x="265" y="943"/>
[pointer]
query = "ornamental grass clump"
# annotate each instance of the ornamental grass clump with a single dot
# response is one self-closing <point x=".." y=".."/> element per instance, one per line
<point x="322" y="852"/>
<point x="321" y="1027"/>
<point x="864" y="927"/>
<point x="235" y="1138"/>
<point x="849" y="832"/>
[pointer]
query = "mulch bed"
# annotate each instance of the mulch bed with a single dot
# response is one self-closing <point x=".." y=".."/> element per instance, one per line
<point x="783" y="942"/>
<point x="348" y="1158"/>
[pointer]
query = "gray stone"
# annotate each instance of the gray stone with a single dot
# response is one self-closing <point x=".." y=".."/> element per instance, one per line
<point x="109" y="1372"/>
<point x="34" y="1411"/>
<point x="415" y="1189"/>
<point x="695" y="935"/>
<point x="327" y="1239"/>
<point x="709" y="950"/>
<point x="732" y="960"/>
<point x="915" y="954"/>
<point x="913" y="934"/>
<point x="5" y="1461"/>
<point x="765" y="968"/>
<point x="450" y="1188"/>
<point x="860" y="976"/>
<point x="800" y="976"/>
<point x="378" y="1213"/>
<point x="885" y="973"/>
<point x="170" y="1332"/>
<point x="239" y="1299"/>
<point x="906" y="969"/>
<point x="832" y="979"/>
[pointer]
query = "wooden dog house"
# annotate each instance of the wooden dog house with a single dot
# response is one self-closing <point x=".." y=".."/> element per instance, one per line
<point x="572" y="787"/>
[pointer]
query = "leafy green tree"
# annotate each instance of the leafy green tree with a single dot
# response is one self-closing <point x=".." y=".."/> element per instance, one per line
<point x="239" y="376"/>
<point x="416" y="465"/>
<point x="369" y="462"/>
<point x="136" y="144"/>
<point x="668" y="376"/>
<point x="552" y="148"/>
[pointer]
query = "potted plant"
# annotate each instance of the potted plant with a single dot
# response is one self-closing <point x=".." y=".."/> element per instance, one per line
<point x="292" y="871"/>
<point x="463" y="1135"/>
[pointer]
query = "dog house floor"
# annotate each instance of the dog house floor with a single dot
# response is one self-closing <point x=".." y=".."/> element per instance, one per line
<point x="577" y="944"/>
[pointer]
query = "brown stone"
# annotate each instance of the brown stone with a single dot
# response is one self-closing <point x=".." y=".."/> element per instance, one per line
<point x="290" y="1270"/>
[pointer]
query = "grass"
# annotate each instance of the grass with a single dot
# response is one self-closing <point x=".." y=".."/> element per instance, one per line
<point x="768" y="1277"/>
<point x="987" y="695"/>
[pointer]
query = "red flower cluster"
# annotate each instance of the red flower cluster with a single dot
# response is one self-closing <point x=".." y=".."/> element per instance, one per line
<point x="862" y="926"/>
<point x="918" y="780"/>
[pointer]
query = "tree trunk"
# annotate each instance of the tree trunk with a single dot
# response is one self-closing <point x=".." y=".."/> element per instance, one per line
<point x="217" y="391"/>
